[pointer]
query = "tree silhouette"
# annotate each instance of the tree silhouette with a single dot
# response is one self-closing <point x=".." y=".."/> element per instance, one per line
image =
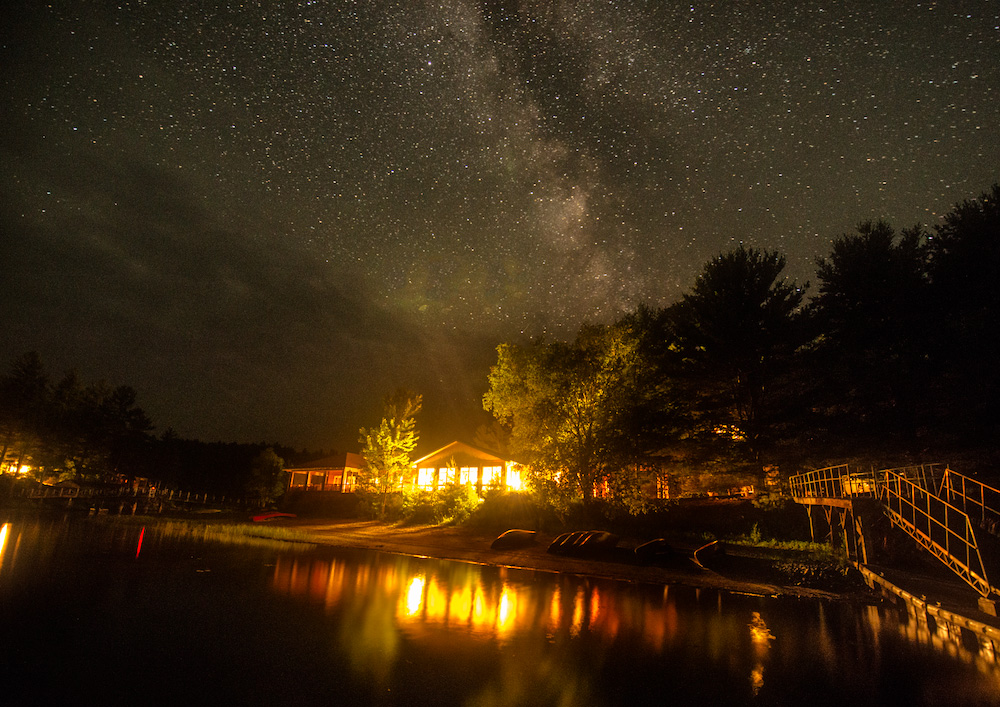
<point x="965" y="287"/>
<point x="731" y="336"/>
<point x="869" y="354"/>
<point x="267" y="477"/>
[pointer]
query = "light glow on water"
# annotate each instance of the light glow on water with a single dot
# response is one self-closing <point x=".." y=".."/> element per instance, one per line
<point x="4" y="529"/>
<point x="391" y="629"/>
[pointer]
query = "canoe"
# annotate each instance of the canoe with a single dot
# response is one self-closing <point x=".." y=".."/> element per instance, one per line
<point x="514" y="539"/>
<point x="271" y="515"/>
<point x="706" y="553"/>
<point x="653" y="550"/>
<point x="581" y="543"/>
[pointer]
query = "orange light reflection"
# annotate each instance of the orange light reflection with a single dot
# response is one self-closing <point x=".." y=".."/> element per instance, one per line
<point x="483" y="602"/>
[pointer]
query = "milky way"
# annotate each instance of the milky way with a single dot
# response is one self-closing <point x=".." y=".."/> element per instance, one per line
<point x="266" y="215"/>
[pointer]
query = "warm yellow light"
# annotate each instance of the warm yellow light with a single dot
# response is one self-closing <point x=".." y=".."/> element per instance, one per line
<point x="503" y="614"/>
<point x="414" y="595"/>
<point x="576" y="624"/>
<point x="759" y="632"/>
<point x="3" y="540"/>
<point x="23" y="470"/>
<point x="514" y="480"/>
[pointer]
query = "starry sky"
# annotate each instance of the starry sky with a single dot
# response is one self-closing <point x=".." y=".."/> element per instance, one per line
<point x="266" y="216"/>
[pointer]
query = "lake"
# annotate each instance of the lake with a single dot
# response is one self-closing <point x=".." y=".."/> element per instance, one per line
<point x="96" y="611"/>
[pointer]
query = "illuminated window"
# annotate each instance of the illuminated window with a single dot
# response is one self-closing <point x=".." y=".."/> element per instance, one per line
<point x="514" y="482"/>
<point x="425" y="477"/>
<point x="491" y="475"/>
<point x="468" y="474"/>
<point x="447" y="476"/>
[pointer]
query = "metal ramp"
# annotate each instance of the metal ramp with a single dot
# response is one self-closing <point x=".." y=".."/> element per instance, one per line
<point x="951" y="516"/>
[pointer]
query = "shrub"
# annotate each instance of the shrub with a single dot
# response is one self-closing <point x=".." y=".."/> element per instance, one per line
<point x="453" y="503"/>
<point x="456" y="502"/>
<point x="419" y="506"/>
<point x="503" y="510"/>
<point x="370" y="505"/>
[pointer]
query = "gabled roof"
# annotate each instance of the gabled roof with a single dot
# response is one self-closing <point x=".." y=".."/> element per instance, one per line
<point x="460" y="449"/>
<point x="337" y="461"/>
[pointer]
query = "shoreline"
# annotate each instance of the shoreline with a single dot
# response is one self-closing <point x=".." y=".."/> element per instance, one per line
<point x="739" y="570"/>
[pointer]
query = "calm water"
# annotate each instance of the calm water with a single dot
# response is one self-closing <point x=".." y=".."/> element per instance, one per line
<point x="105" y="613"/>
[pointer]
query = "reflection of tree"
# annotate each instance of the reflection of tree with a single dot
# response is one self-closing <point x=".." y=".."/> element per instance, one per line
<point x="532" y="673"/>
<point x="370" y="637"/>
<point x="760" y="638"/>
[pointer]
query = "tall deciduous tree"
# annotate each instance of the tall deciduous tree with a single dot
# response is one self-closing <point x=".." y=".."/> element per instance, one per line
<point x="730" y="336"/>
<point x="566" y="404"/>
<point x="386" y="449"/>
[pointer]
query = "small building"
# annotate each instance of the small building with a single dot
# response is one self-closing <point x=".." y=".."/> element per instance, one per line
<point x="462" y="463"/>
<point x="336" y="473"/>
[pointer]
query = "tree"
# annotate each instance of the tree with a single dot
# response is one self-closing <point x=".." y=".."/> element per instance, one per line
<point x="870" y="323"/>
<point x="566" y="404"/>
<point x="24" y="399"/>
<point x="267" y="478"/>
<point x="729" y="338"/>
<point x="124" y="430"/>
<point x="386" y="449"/>
<point x="964" y="274"/>
<point x="965" y="255"/>
<point x="70" y="427"/>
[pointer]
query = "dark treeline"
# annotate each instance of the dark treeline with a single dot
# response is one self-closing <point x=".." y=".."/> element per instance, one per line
<point x="68" y="430"/>
<point x="891" y="357"/>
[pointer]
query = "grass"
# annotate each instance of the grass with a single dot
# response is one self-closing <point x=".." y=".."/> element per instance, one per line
<point x="233" y="533"/>
<point x="816" y="551"/>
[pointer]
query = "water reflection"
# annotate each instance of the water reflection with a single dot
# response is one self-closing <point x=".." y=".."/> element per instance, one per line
<point x="375" y="628"/>
<point x="395" y="598"/>
<point x="3" y="542"/>
<point x="761" y="637"/>
<point x="486" y="602"/>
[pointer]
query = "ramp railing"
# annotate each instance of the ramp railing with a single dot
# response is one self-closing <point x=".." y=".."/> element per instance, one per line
<point x="832" y="482"/>
<point x="981" y="501"/>
<point x="940" y="527"/>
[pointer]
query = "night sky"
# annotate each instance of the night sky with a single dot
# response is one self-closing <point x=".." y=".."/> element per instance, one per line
<point x="266" y="216"/>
